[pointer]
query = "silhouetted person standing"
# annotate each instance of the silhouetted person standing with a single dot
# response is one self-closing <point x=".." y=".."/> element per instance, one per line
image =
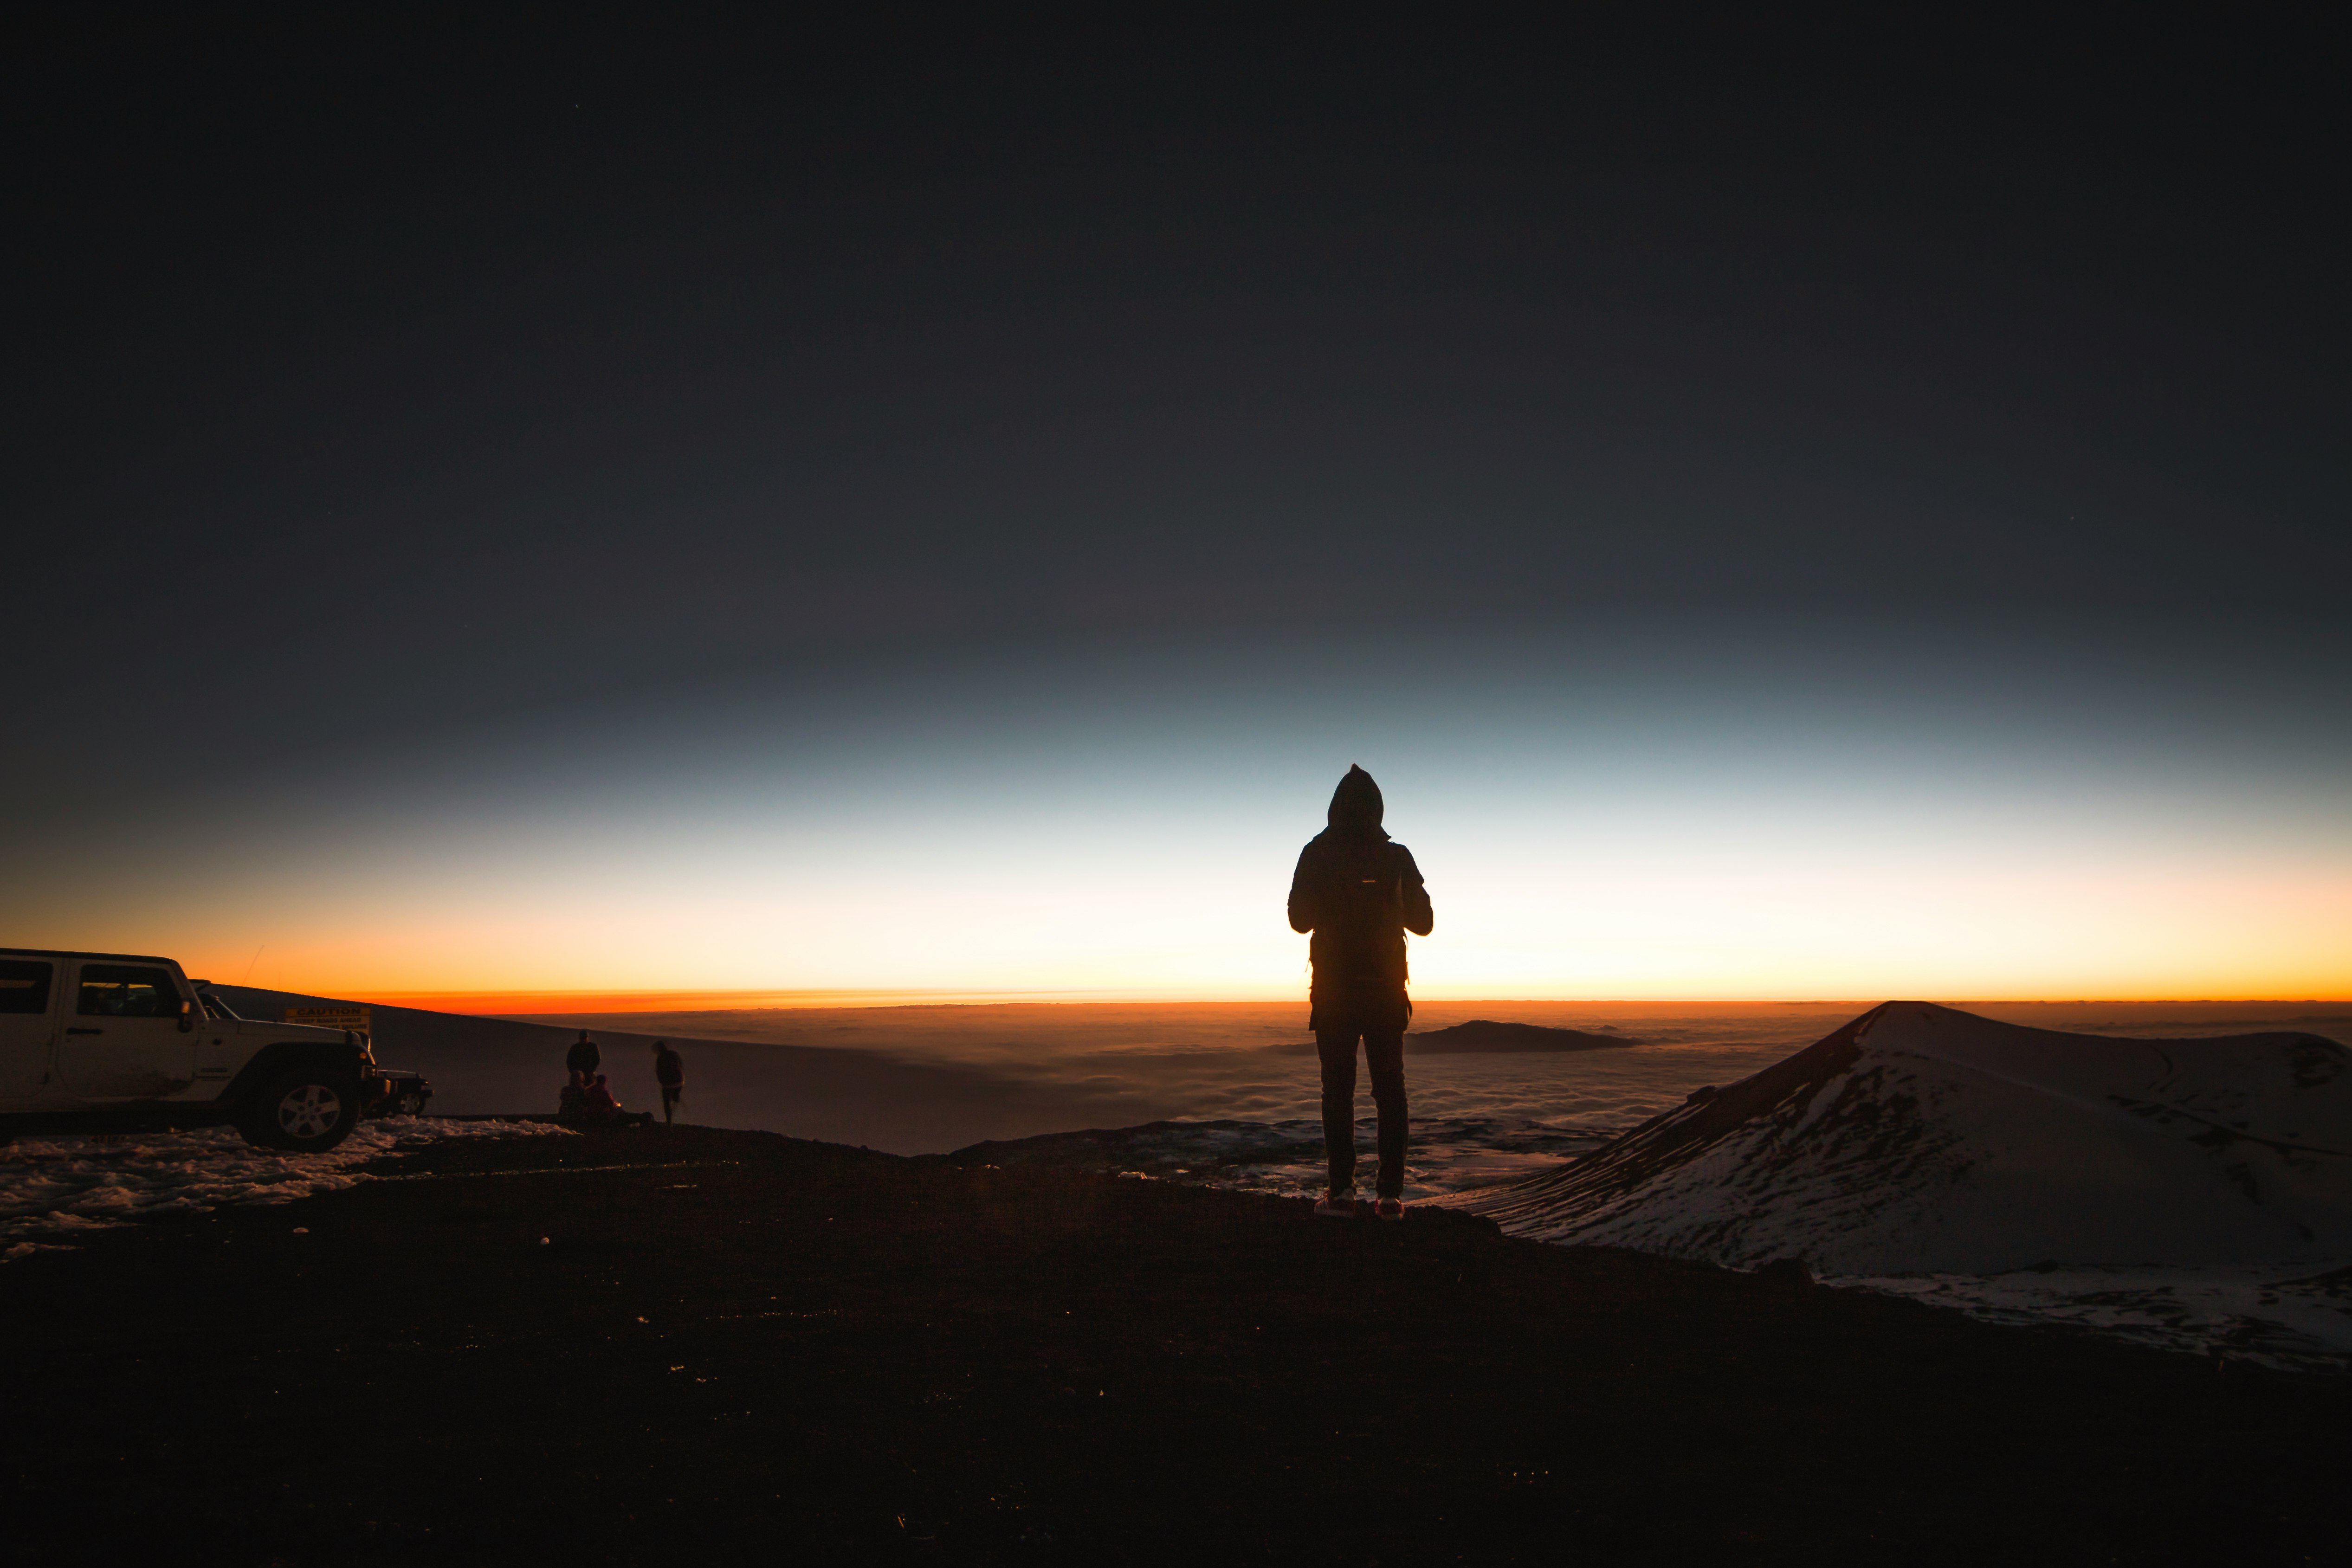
<point x="1359" y="893"/>
<point x="583" y="1058"/>
<point x="669" y="1071"/>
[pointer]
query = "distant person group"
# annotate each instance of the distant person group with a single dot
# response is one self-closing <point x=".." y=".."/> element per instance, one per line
<point x="587" y="1097"/>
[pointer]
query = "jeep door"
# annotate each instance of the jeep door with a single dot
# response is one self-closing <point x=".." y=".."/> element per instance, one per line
<point x="122" y="1038"/>
<point x="28" y="1023"/>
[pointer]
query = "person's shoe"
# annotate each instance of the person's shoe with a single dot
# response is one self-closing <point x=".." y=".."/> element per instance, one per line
<point x="1336" y="1206"/>
<point x="1389" y="1209"/>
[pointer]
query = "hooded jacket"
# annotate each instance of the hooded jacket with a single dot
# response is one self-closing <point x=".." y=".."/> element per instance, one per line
<point x="1358" y="891"/>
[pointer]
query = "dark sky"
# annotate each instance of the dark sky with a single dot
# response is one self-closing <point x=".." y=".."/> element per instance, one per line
<point x="444" y="363"/>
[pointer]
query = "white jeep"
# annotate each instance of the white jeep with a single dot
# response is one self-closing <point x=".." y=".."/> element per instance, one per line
<point x="123" y="1041"/>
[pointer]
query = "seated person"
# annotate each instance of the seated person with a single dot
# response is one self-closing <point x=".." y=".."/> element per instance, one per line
<point x="572" y="1100"/>
<point x="599" y="1105"/>
<point x="599" y="1102"/>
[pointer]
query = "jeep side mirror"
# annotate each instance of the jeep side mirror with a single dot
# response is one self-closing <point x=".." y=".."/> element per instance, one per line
<point x="187" y="1018"/>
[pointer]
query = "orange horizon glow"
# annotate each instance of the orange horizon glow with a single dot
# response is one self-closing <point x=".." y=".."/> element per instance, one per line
<point x="524" y="1004"/>
<point x="1721" y="932"/>
<point x="1671" y="906"/>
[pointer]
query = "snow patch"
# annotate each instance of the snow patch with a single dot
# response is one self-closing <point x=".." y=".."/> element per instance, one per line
<point x="57" y="1186"/>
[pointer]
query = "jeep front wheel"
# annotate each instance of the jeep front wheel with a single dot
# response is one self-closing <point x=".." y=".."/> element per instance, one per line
<point x="305" y="1112"/>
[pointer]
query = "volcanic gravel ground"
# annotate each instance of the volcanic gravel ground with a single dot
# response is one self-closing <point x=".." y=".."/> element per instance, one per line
<point x="733" y="1346"/>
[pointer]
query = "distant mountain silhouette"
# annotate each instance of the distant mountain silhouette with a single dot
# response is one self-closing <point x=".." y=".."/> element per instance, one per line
<point x="489" y="1066"/>
<point x="1484" y="1034"/>
<point x="1480" y="1035"/>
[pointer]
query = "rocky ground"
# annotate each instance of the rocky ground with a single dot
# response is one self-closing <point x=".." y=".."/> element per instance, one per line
<point x="677" y="1344"/>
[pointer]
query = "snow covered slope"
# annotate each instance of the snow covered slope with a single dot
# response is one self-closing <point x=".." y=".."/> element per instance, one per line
<point x="1921" y="1140"/>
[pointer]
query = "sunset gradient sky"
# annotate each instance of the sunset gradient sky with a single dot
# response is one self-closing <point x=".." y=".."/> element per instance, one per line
<point x="634" y="499"/>
<point x="1659" y="807"/>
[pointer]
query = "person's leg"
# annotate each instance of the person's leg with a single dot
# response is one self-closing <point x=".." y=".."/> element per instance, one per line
<point x="1384" y="1061"/>
<point x="1338" y="1050"/>
<point x="669" y="1105"/>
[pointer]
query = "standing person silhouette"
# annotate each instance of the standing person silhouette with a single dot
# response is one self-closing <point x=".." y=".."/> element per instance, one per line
<point x="583" y="1058"/>
<point x="1360" y="892"/>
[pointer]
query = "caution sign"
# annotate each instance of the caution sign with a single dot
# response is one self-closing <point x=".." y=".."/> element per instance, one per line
<point x="329" y="1017"/>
